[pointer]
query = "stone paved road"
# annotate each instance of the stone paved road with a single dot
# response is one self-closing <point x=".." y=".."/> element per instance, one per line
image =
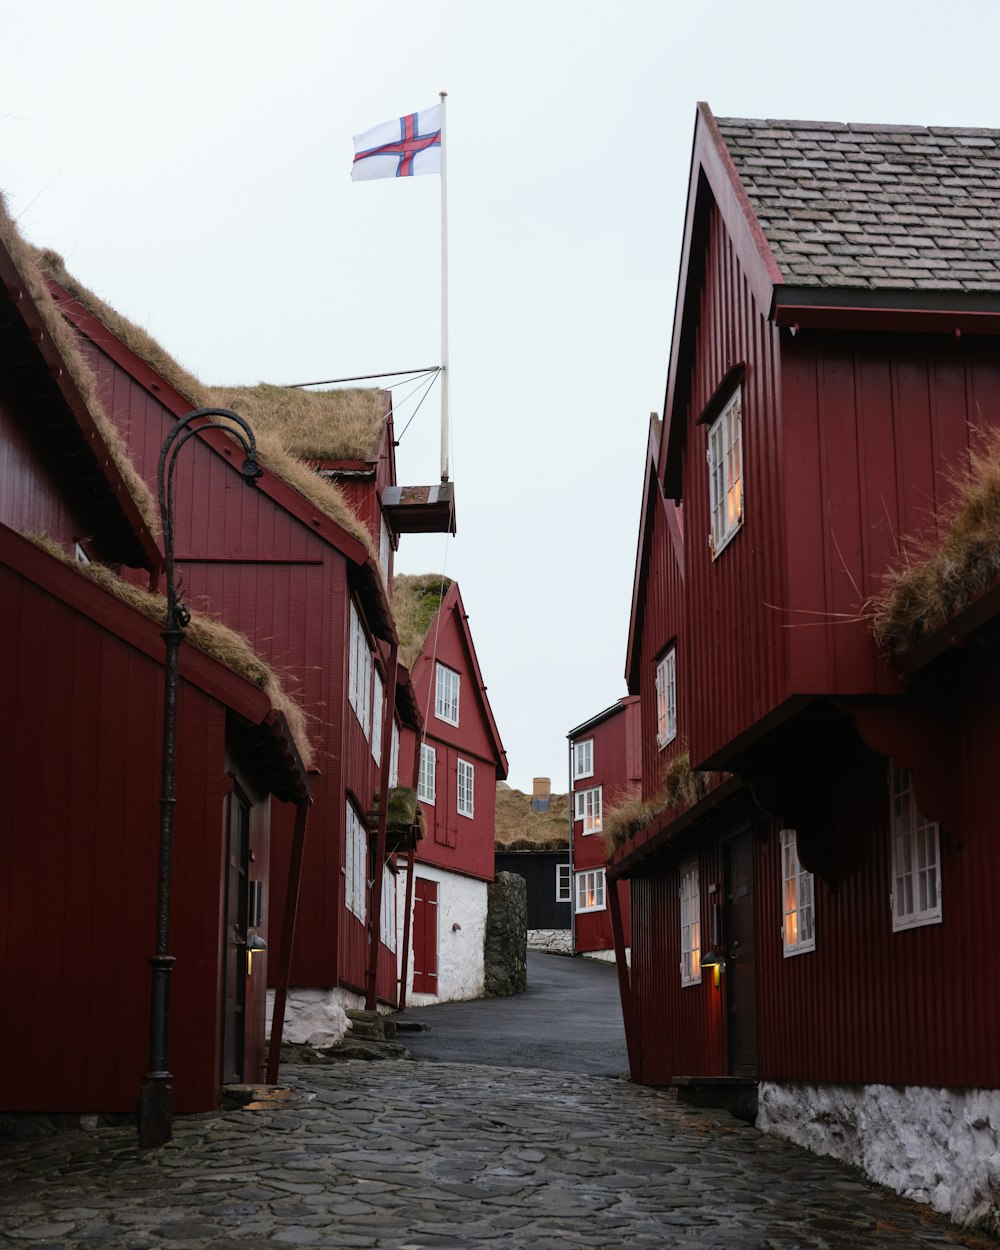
<point x="414" y="1155"/>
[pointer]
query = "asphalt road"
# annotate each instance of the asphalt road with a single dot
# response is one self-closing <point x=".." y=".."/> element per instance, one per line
<point x="568" y="1020"/>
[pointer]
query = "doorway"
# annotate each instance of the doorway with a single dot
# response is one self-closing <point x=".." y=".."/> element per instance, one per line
<point x="236" y="924"/>
<point x="425" y="936"/>
<point x="741" y="954"/>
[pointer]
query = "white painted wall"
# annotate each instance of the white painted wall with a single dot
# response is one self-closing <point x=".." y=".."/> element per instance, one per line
<point x="940" y="1146"/>
<point x="461" y="903"/>
<point x="555" y="941"/>
<point x="608" y="957"/>
<point x="316" y="1017"/>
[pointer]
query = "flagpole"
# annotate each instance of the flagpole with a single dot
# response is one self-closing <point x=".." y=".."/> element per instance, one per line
<point x="444" y="293"/>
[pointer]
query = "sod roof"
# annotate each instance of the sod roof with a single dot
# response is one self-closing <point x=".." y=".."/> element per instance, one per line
<point x="520" y="828"/>
<point x="416" y="598"/>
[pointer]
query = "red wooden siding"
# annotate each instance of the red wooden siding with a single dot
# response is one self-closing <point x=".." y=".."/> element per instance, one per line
<point x="425" y="936"/>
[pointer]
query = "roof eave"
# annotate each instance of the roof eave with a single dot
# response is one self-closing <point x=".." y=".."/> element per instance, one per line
<point x="886" y="309"/>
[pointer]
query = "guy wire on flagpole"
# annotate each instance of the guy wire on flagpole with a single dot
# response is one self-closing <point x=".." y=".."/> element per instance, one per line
<point x="366" y="377"/>
<point x="444" y="293"/>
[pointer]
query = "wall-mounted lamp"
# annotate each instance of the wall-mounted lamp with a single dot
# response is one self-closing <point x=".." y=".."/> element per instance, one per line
<point x="714" y="960"/>
<point x="255" y="945"/>
<point x="456" y="927"/>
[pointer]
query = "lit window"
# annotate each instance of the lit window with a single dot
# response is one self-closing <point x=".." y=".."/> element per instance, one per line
<point x="564" y="887"/>
<point x="798" y="932"/>
<point x="587" y="807"/>
<point x="590" y="890"/>
<point x="359" y="677"/>
<point x="666" y="698"/>
<point x="387" y="925"/>
<point x="916" y="879"/>
<point x="725" y="472"/>
<point x="466" y="788"/>
<point x="377" y="717"/>
<point x="428" y="771"/>
<point x="356" y="865"/>
<point x="446" y="695"/>
<point x="394" y="756"/>
<point x="690" y="926"/>
<point x="583" y="759"/>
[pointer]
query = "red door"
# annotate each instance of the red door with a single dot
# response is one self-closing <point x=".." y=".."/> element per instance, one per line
<point x="425" y="936"/>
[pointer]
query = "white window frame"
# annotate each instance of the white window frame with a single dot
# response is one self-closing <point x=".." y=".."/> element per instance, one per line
<point x="564" y="883"/>
<point x="591" y="884"/>
<point x="378" y="697"/>
<point x="798" y="893"/>
<point x="360" y="669"/>
<point x="387" y="920"/>
<point x="384" y="546"/>
<point x="589" y="808"/>
<point x="394" y="756"/>
<point x="447" y="686"/>
<point x="465" y="799"/>
<point x="427" y="777"/>
<point x="690" y="897"/>
<point x="355" y="864"/>
<point x="915" y="857"/>
<point x="725" y="473"/>
<point x="666" y="698"/>
<point x="583" y="759"/>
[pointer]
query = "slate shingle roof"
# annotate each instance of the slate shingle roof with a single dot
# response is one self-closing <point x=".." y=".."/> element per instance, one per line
<point x="906" y="207"/>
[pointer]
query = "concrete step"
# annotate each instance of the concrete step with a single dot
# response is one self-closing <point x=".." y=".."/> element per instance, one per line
<point x="735" y="1094"/>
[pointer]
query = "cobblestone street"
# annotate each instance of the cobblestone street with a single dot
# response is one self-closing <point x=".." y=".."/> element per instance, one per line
<point x="409" y="1154"/>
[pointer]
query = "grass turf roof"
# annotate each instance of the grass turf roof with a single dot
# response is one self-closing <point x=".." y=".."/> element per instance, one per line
<point x="416" y="598"/>
<point x="681" y="786"/>
<point x="226" y="645"/>
<point x="520" y="828"/>
<point x="275" y="455"/>
<point x="64" y="337"/>
<point x="933" y="582"/>
<point x="319" y="425"/>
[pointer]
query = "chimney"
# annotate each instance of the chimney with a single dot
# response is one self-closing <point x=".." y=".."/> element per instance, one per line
<point x="541" y="789"/>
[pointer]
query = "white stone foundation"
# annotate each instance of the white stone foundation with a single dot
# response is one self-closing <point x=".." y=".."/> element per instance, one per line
<point x="555" y="941"/>
<point x="461" y="914"/>
<point x="939" y="1146"/>
<point x="316" y="1017"/>
<point x="608" y="957"/>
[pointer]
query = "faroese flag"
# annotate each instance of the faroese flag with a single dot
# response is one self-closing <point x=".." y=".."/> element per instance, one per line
<point x="401" y="148"/>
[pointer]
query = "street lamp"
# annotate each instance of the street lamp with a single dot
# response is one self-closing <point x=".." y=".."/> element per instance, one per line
<point x="156" y="1102"/>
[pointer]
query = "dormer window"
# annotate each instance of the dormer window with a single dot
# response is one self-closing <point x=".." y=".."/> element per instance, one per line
<point x="725" y="472"/>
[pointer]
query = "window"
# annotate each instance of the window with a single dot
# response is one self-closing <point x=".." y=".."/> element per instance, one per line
<point x="387" y="921"/>
<point x="428" y="770"/>
<point x="446" y="695"/>
<point x="590" y="890"/>
<point x="798" y="930"/>
<point x="916" y="877"/>
<point x="690" y="926"/>
<point x="384" y="547"/>
<point x="359" y="677"/>
<point x="356" y="865"/>
<point x="79" y="555"/>
<point x="377" y="709"/>
<point x="587" y="807"/>
<point x="666" y="698"/>
<point x="466" y="788"/>
<point x="725" y="472"/>
<point x="564" y="887"/>
<point x="583" y="759"/>
<point x="394" y="756"/>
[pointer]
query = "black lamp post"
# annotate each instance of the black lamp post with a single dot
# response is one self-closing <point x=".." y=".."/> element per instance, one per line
<point x="156" y="1102"/>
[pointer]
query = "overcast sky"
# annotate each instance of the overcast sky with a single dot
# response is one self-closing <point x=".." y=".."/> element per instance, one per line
<point x="191" y="161"/>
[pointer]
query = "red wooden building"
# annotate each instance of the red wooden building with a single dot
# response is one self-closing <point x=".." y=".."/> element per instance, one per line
<point x="802" y="918"/>
<point x="605" y="770"/>
<point x="455" y="760"/>
<point x="293" y="567"/>
<point x="80" y="749"/>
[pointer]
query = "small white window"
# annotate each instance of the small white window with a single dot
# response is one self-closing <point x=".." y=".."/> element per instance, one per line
<point x="79" y="555"/>
<point x="666" y="698"/>
<point x="466" y="788"/>
<point x="377" y="697"/>
<point x="590" y="890"/>
<point x="588" y="808"/>
<point x="725" y="472"/>
<point x="356" y="865"/>
<point x="916" y="872"/>
<point x="583" y="759"/>
<point x="798" y="930"/>
<point x="359" y="678"/>
<point x="446" y="695"/>
<point x="384" y="548"/>
<point x="394" y="756"/>
<point x="426" y="787"/>
<point x="387" y="925"/>
<point x="690" y="925"/>
<point x="564" y="887"/>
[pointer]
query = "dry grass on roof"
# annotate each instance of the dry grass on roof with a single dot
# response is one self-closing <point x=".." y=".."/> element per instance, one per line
<point x="934" y="581"/>
<point x="64" y="337"/>
<point x="204" y="632"/>
<point x="320" y="425"/>
<point x="416" y="598"/>
<point x="680" y="788"/>
<point x="519" y="828"/>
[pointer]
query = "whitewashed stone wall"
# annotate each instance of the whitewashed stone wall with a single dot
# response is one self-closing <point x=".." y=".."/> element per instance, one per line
<point x="608" y="957"/>
<point x="461" y="902"/>
<point x="939" y="1146"/>
<point x="555" y="941"/>
<point x="316" y="1017"/>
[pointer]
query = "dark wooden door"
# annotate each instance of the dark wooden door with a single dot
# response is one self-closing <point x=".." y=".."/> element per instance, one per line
<point x="741" y="955"/>
<point x="425" y="936"/>
<point x="234" y="953"/>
